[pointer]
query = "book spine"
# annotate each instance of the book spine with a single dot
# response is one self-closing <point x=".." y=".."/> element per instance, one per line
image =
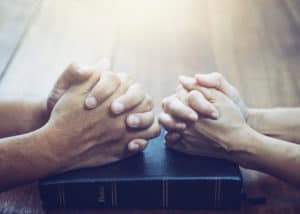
<point x="144" y="194"/>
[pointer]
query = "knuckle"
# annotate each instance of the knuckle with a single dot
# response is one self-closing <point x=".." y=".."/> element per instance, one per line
<point x="193" y="94"/>
<point x="120" y="126"/>
<point x="164" y="102"/>
<point x="149" y="104"/>
<point x="168" y="102"/>
<point x="219" y="78"/>
<point x="113" y="77"/>
<point x="137" y="93"/>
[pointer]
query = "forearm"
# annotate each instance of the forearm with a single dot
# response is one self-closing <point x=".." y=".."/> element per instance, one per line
<point x="273" y="156"/>
<point x="282" y="123"/>
<point x="25" y="158"/>
<point x="20" y="116"/>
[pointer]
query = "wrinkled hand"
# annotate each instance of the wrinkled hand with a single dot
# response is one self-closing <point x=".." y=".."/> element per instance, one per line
<point x="94" y="137"/>
<point x="135" y="95"/>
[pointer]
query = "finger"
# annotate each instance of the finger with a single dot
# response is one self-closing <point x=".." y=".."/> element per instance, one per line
<point x="129" y="100"/>
<point x="182" y="94"/>
<point x="200" y="104"/>
<point x="140" y="120"/>
<point x="72" y="75"/>
<point x="86" y="86"/>
<point x="125" y="78"/>
<point x="137" y="145"/>
<point x="217" y="81"/>
<point x="172" y="137"/>
<point x="107" y="85"/>
<point x="189" y="83"/>
<point x="170" y="123"/>
<point x="173" y="106"/>
<point x="151" y="132"/>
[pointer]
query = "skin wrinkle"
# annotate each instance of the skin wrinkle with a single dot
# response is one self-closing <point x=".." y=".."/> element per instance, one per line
<point x="77" y="129"/>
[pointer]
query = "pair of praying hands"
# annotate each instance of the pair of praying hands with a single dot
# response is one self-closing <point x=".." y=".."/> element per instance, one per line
<point x="94" y="117"/>
<point x="204" y="117"/>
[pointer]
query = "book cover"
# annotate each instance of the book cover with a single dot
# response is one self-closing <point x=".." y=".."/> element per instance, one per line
<point x="156" y="178"/>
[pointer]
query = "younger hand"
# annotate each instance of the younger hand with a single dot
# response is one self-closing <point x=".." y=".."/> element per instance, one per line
<point x="218" y="82"/>
<point x="206" y="136"/>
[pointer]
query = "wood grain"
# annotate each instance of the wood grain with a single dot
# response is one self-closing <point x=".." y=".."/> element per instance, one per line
<point x="65" y="31"/>
<point x="254" y="43"/>
<point x="15" y="17"/>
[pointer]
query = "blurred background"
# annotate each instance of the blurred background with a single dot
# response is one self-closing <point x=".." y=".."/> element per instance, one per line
<point x="254" y="43"/>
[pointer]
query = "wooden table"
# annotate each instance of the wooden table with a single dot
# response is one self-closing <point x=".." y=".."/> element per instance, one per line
<point x="254" y="43"/>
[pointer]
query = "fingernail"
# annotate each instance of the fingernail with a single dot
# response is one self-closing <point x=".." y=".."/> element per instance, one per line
<point x="134" y="120"/>
<point x="117" y="107"/>
<point x="91" y="102"/>
<point x="193" y="116"/>
<point x="133" y="147"/>
<point x="215" y="114"/>
<point x="180" y="125"/>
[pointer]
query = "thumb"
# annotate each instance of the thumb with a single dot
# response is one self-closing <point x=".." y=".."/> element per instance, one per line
<point x="217" y="81"/>
<point x="72" y="74"/>
<point x="137" y="145"/>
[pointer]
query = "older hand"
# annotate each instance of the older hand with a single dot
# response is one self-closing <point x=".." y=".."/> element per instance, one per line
<point x="106" y="86"/>
<point x="94" y="137"/>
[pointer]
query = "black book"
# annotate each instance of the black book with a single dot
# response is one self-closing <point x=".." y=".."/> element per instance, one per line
<point x="156" y="178"/>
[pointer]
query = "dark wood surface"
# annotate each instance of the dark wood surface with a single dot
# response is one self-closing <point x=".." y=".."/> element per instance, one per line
<point x="254" y="43"/>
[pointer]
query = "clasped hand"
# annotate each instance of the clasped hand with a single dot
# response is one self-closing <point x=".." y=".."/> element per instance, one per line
<point x="98" y="116"/>
<point x="107" y="117"/>
<point x="204" y="116"/>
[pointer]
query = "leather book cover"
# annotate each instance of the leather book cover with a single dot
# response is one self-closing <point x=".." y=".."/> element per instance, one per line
<point x="156" y="178"/>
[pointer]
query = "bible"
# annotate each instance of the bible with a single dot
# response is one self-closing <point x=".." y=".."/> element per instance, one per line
<point x="154" y="179"/>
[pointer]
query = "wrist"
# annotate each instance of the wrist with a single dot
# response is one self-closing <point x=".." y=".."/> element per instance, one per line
<point x="51" y="154"/>
<point x="36" y="116"/>
<point x="256" y="118"/>
<point x="42" y="113"/>
<point x="248" y="147"/>
<point x="34" y="158"/>
<point x="243" y="145"/>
